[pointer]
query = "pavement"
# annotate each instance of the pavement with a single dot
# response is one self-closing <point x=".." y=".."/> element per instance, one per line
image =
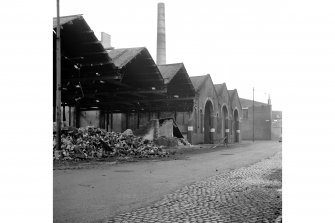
<point x="247" y="194"/>
<point x="97" y="194"/>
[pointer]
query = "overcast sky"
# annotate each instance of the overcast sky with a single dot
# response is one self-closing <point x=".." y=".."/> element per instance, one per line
<point x="263" y="44"/>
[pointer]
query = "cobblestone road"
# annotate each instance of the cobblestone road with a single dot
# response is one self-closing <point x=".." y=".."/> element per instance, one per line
<point x="248" y="194"/>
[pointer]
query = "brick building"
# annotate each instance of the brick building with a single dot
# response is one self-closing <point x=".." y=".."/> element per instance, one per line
<point x="117" y="89"/>
<point x="235" y="116"/>
<point x="261" y="116"/>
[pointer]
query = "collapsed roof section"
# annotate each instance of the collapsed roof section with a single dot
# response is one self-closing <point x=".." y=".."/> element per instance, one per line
<point x="177" y="80"/>
<point x="138" y="67"/>
<point x="117" y="80"/>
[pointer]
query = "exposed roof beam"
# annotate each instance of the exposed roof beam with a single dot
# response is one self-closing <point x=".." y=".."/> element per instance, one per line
<point x="143" y="91"/>
<point x="91" y="42"/>
<point x="96" y="64"/>
<point x="94" y="53"/>
<point x="93" y="78"/>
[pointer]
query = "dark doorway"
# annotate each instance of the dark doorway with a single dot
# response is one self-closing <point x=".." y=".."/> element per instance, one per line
<point x="225" y="123"/>
<point x="237" y="126"/>
<point x="208" y="121"/>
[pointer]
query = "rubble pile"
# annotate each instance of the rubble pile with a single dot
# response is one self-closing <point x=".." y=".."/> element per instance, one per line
<point x="91" y="143"/>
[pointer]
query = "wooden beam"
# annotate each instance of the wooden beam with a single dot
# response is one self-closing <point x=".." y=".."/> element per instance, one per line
<point x="144" y="91"/>
<point x="90" y="42"/>
<point x="92" y="78"/>
<point x="97" y="64"/>
<point x="94" y="53"/>
<point x="135" y="101"/>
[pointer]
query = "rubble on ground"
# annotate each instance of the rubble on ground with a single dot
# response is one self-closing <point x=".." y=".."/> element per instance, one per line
<point x="95" y="143"/>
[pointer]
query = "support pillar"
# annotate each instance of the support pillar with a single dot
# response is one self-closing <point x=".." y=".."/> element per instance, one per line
<point x="190" y="132"/>
<point x="211" y="130"/>
<point x="155" y="124"/>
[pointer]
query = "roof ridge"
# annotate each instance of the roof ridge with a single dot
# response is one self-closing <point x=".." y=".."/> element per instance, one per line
<point x="126" y="48"/>
<point x="68" y="16"/>
<point x="170" y="64"/>
<point x="199" y="75"/>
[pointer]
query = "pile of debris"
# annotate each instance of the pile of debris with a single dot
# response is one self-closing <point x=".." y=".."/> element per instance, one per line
<point x="92" y="143"/>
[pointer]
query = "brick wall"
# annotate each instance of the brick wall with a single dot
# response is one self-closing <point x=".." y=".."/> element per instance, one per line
<point x="262" y="123"/>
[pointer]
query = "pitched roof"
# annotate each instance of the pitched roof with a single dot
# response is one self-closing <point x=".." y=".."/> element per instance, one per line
<point x="121" y="57"/>
<point x="248" y="103"/>
<point x="231" y="93"/>
<point x="198" y="80"/>
<point x="218" y="88"/>
<point x="168" y="71"/>
<point x="65" y="19"/>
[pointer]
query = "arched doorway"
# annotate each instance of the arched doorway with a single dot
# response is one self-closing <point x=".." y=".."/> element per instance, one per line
<point x="208" y="122"/>
<point x="237" y="126"/>
<point x="225" y="123"/>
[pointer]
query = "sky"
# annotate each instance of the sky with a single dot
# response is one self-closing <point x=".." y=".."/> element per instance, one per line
<point x="247" y="44"/>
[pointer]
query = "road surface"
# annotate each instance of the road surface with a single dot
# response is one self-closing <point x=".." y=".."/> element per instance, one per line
<point x="96" y="194"/>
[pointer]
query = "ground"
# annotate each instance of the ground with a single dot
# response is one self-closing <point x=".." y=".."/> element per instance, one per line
<point x="241" y="183"/>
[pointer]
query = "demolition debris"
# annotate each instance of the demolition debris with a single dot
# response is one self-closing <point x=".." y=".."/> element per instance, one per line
<point x="96" y="143"/>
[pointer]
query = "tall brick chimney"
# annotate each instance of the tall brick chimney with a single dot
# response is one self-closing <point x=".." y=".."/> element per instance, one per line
<point x="161" y="45"/>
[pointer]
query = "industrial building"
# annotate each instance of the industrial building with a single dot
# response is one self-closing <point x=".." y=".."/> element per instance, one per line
<point x="256" y="121"/>
<point x="119" y="89"/>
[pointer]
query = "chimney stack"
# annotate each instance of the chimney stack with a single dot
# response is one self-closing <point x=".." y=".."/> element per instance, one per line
<point x="106" y="41"/>
<point x="161" y="47"/>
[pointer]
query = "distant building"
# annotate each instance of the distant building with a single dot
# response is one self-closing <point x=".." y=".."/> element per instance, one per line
<point x="256" y="122"/>
<point x="276" y="130"/>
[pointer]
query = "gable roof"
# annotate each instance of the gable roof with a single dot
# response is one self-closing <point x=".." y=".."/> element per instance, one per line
<point x="232" y="94"/>
<point x="198" y="80"/>
<point x="248" y="103"/>
<point x="168" y="71"/>
<point x="218" y="88"/>
<point x="122" y="56"/>
<point x="65" y="19"/>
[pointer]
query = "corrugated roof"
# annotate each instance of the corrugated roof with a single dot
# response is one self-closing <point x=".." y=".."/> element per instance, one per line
<point x="168" y="71"/>
<point x="121" y="57"/>
<point x="65" y="19"/>
<point x="248" y="103"/>
<point x="198" y="80"/>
